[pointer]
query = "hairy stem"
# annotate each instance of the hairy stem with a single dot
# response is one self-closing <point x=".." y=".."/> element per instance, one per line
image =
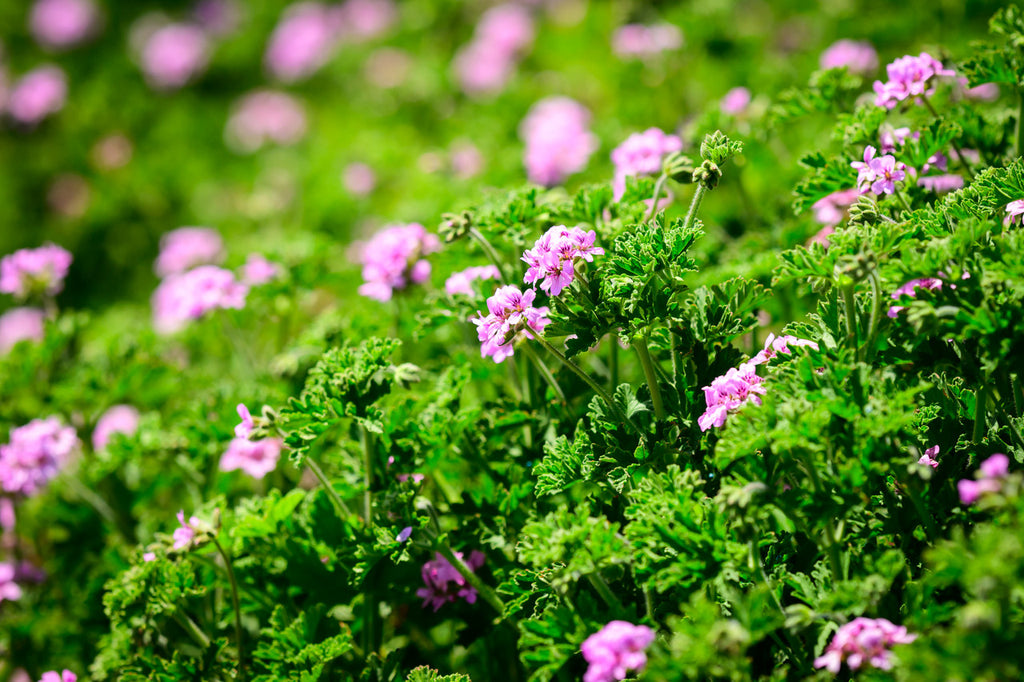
<point x="652" y="380"/>
<point x="658" y="186"/>
<point x="235" y="603"/>
<point x="876" y="305"/>
<point x="851" y="317"/>
<point x="602" y="588"/>
<point x="902" y="199"/>
<point x="691" y="213"/>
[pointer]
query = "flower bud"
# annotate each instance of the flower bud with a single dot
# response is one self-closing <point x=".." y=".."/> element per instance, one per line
<point x="455" y="226"/>
<point x="708" y="174"/>
<point x="864" y="212"/>
<point x="679" y="167"/>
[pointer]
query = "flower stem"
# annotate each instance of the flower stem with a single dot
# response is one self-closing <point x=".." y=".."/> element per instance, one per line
<point x="544" y="372"/>
<point x="192" y="628"/>
<point x="339" y="504"/>
<point x="484" y="590"/>
<point x="1020" y="124"/>
<point x="903" y="199"/>
<point x="981" y="397"/>
<point x="652" y="380"/>
<point x="691" y="213"/>
<point x="851" y="317"/>
<point x="369" y="601"/>
<point x="956" y="145"/>
<point x="235" y="604"/>
<point x="602" y="588"/>
<point x="613" y="359"/>
<point x="658" y="186"/>
<point x="488" y="249"/>
<point x="876" y="296"/>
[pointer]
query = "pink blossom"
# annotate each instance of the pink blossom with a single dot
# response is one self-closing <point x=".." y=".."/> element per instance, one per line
<point x="928" y="458"/>
<point x="554" y="256"/>
<point x="20" y="324"/>
<point x="510" y="311"/>
<point x="735" y="101"/>
<point x="258" y="270"/>
<point x="909" y="77"/>
<point x="484" y="65"/>
<point x="188" y="247"/>
<point x="466" y="160"/>
<point x="255" y="457"/>
<point x="218" y="18"/>
<point x="415" y="478"/>
<point x="366" y="19"/>
<point x="863" y="641"/>
<point x="444" y="583"/>
<point x="58" y="24"/>
<point x="729" y="392"/>
<point x="558" y="142"/>
<point x="482" y="70"/>
<point x="265" y="117"/>
<point x="638" y="40"/>
<point x="359" y="179"/>
<point x="887" y="172"/>
<point x="40" y="270"/>
<point x="986" y="92"/>
<point x="63" y="676"/>
<point x="149" y="556"/>
<point x="822" y="237"/>
<point x="393" y="259"/>
<point x="616" y="650"/>
<point x="304" y="40"/>
<point x="941" y="184"/>
<point x="865" y="176"/>
<point x="1014" y="210"/>
<point x="893" y="138"/>
<point x="387" y="67"/>
<point x="831" y="209"/>
<point x="996" y="466"/>
<point x="642" y="154"/>
<point x="507" y="27"/>
<point x="185" y="533"/>
<point x="37" y="94"/>
<point x="988" y="479"/>
<point x="856" y="55"/>
<point x="910" y="289"/>
<point x="35" y="453"/>
<point x="774" y="345"/>
<point x="9" y="589"/>
<point x="244" y="427"/>
<point x="462" y="282"/>
<point x="191" y="295"/>
<point x="172" y="55"/>
<point x="118" y="419"/>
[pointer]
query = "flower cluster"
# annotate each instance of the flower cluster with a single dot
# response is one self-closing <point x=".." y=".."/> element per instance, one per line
<point x="462" y="282"/>
<point x="909" y="77"/>
<point x="988" y="479"/>
<point x="20" y="324"/>
<point x="171" y="54"/>
<point x="638" y="40"/>
<point x="10" y="590"/>
<point x="856" y="55"/>
<point x="118" y="419"/>
<point x="39" y="93"/>
<point x="1014" y="211"/>
<point x="878" y="174"/>
<point x="443" y="582"/>
<point x="393" y="259"/>
<point x="488" y="61"/>
<point x="186" y="248"/>
<point x="510" y="312"/>
<point x="863" y="641"/>
<point x="928" y="458"/>
<point x="265" y="117"/>
<point x="31" y="271"/>
<point x="730" y="392"/>
<point x="774" y="345"/>
<point x="190" y="295"/>
<point x="63" y="676"/>
<point x="558" y="141"/>
<point x="615" y="650"/>
<point x="60" y="24"/>
<point x="255" y="457"/>
<point x="35" y="454"/>
<point x="554" y="257"/>
<point x="910" y="289"/>
<point x="303" y="41"/>
<point x="642" y="154"/>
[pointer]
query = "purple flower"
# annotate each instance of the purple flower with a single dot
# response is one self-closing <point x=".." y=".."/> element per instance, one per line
<point x="558" y="142"/>
<point x="887" y="172"/>
<point x="444" y="583"/>
<point x="359" y="179"/>
<point x="172" y="55"/>
<point x="1014" y="210"/>
<point x="191" y="295"/>
<point x="511" y="311"/>
<point x="37" y="94"/>
<point x="393" y="259"/>
<point x="462" y="282"/>
<point x="856" y="55"/>
<point x="245" y="427"/>
<point x="554" y="256"/>
<point x="258" y="270"/>
<point x="35" y="453"/>
<point x="185" y="533"/>
<point x="774" y="345"/>
<point x="941" y="184"/>
<point x="265" y="117"/>
<point x="9" y="589"/>
<point x="910" y="289"/>
<point x="638" y="40"/>
<point x="863" y="641"/>
<point x="865" y="176"/>
<point x="893" y="138"/>
<point x="996" y="466"/>
<point x="615" y="650"/>
<point x="20" y="324"/>
<point x="928" y="458"/>
<point x="58" y="24"/>
<point x="730" y="392"/>
<point x="304" y="39"/>
<point x="988" y="479"/>
<point x="218" y="18"/>
<point x="63" y="676"/>
<point x="485" y="64"/>
<point x="831" y="209"/>
<point x="186" y="248"/>
<point x="255" y="457"/>
<point x="735" y="101"/>
<point x="118" y="419"/>
<point x="909" y="77"/>
<point x="404" y="535"/>
<point x="642" y="154"/>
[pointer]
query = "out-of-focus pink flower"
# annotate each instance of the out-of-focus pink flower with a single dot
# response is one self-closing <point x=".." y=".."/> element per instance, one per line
<point x="149" y="556"/>
<point x="988" y="479"/>
<point x="69" y="195"/>
<point x="359" y="179"/>
<point x="367" y="19"/>
<point x="21" y="324"/>
<point x="863" y="641"/>
<point x="616" y="650"/>
<point x="174" y="54"/>
<point x="35" y="271"/>
<point x="37" y="94"/>
<point x="218" y="17"/>
<point x="462" y="282"/>
<point x="985" y="92"/>
<point x="996" y="466"/>
<point x="642" y="154"/>
<point x="729" y="392"/>
<point x="255" y="457"/>
<point x="928" y="458"/>
<point x="444" y="583"/>
<point x="554" y="256"/>
<point x="940" y="184"/>
<point x="415" y="478"/>
<point x="387" y="67"/>
<point x="909" y="77"/>
<point x="258" y="270"/>
<point x="638" y="40"/>
<point x="969" y="491"/>
<point x="187" y="247"/>
<point x="510" y="313"/>
<point x="507" y="27"/>
<point x="393" y="259"/>
<point x="265" y="117"/>
<point x="466" y="160"/>
<point x="831" y="209"/>
<point x="118" y="419"/>
<point x="558" y="141"/>
<point x="190" y="295"/>
<point x="485" y="65"/>
<point x="63" y="676"/>
<point x="245" y="427"/>
<point x="481" y="70"/>
<point x="9" y="589"/>
<point x="112" y="152"/>
<point x="821" y="237"/>
<point x="735" y="101"/>
<point x="185" y="533"/>
<point x="35" y="454"/>
<point x="774" y="345"/>
<point x="910" y="289"/>
<point x="856" y="55"/>
<point x="1014" y="210"/>
<point x="59" y="24"/>
<point x="304" y="40"/>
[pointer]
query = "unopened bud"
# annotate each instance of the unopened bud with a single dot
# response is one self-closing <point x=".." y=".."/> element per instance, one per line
<point x="455" y="226"/>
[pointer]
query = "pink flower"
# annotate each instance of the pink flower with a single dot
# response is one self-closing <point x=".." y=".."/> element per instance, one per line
<point x="1014" y="210"/>
<point x="462" y="282"/>
<point x="941" y="184"/>
<point x="393" y="259"/>
<point x="173" y="55"/>
<point x="255" y="457"/>
<point x="615" y="650"/>
<point x="258" y="270"/>
<point x="58" y="24"/>
<point x="887" y="172"/>
<point x="245" y="427"/>
<point x="910" y="289"/>
<point x="638" y="40"/>
<point x="554" y="256"/>
<point x="35" y="453"/>
<point x="831" y="209"/>
<point x="484" y="65"/>
<point x="996" y="466"/>
<point x="822" y="237"/>
<point x="729" y="392"/>
<point x="986" y="92"/>
<point x="218" y="18"/>
<point x="642" y="154"/>
<point x="189" y="296"/>
<point x="186" y="248"/>
<point x="507" y="28"/>
<point x="970" y="491"/>
<point x="118" y="419"/>
<point x="63" y="676"/>
<point x="909" y="77"/>
<point x="9" y="589"/>
<point x="735" y="101"/>
<point x="928" y="457"/>
<point x="20" y="324"/>
<point x="893" y="138"/>
<point x="37" y="94"/>
<point x="265" y="117"/>
<point x="863" y="641"/>
<point x="774" y="345"/>
<point x="444" y="583"/>
<point x="415" y="478"/>
<point x="303" y="41"/>
<point x="558" y="142"/>
<point x="482" y="70"/>
<point x="511" y="311"/>
<point x="988" y="479"/>
<point x="466" y="160"/>
<point x="856" y="55"/>
<point x="366" y="19"/>
<point x="359" y="179"/>
<point x="185" y="533"/>
<point x="149" y="556"/>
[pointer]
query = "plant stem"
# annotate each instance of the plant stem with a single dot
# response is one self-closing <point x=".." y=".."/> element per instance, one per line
<point x="544" y="372"/>
<point x="237" y="607"/>
<point x="980" y="398"/>
<point x="484" y="590"/>
<point x="1020" y="124"/>
<point x="903" y="200"/>
<point x="691" y="213"/>
<point x="613" y="359"/>
<point x="488" y="249"/>
<point x="369" y="601"/>
<point x="658" y="186"/>
<point x="652" y="380"/>
<point x="851" y="317"/>
<point x="193" y="629"/>
<point x="598" y="583"/>
<point x="956" y="145"/>
<point x="876" y="295"/>
<point x="339" y="504"/>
